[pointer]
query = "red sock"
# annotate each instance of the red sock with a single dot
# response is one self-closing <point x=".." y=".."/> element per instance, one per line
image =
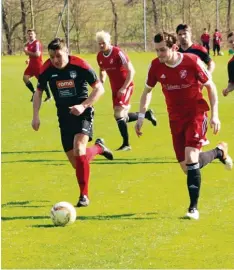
<point x="82" y="174"/>
<point x="92" y="151"/>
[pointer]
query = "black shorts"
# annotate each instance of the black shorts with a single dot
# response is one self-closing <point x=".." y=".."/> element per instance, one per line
<point x="70" y="125"/>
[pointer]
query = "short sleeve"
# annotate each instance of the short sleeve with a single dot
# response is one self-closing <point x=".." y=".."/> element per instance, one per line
<point x="151" y="79"/>
<point x="202" y="72"/>
<point x="90" y="76"/>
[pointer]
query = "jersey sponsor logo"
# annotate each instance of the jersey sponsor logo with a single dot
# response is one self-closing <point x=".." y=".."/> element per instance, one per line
<point x="65" y="84"/>
<point x="170" y="87"/>
<point x="111" y="61"/>
<point x="54" y="75"/>
<point x="73" y="74"/>
<point x="183" y="74"/>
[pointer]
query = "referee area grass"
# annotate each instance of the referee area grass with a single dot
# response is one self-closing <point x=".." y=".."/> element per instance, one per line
<point x="137" y="201"/>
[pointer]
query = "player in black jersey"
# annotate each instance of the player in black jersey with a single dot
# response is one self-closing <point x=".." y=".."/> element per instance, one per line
<point x="68" y="77"/>
<point x="230" y="86"/>
<point x="186" y="45"/>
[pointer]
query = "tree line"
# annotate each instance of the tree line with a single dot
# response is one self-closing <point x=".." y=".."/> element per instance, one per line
<point x="126" y="21"/>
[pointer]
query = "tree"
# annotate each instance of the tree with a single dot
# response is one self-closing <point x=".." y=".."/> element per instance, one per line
<point x="115" y="21"/>
<point x="8" y="28"/>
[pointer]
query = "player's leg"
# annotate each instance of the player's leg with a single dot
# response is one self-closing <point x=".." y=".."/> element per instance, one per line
<point x="99" y="148"/>
<point x="218" y="49"/>
<point x="193" y="180"/>
<point x="208" y="48"/>
<point x="26" y="78"/>
<point x="120" y="114"/>
<point x="214" y="48"/>
<point x="149" y="115"/>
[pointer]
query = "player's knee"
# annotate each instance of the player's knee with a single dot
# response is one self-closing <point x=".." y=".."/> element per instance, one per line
<point x="80" y="149"/>
<point x="25" y="79"/>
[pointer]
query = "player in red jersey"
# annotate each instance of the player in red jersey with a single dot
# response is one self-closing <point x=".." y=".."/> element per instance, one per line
<point x="205" y="39"/>
<point x="33" y="50"/>
<point x="230" y="86"/>
<point x="180" y="76"/>
<point x="116" y="64"/>
<point x="217" y="38"/>
<point x="68" y="77"/>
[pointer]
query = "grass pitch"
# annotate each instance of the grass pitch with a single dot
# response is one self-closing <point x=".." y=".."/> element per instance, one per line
<point x="137" y="200"/>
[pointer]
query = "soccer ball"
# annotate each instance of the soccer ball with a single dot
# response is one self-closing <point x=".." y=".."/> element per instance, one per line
<point x="221" y="53"/>
<point x="63" y="213"/>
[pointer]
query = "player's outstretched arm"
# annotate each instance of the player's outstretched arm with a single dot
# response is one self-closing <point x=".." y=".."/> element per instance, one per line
<point x="144" y="104"/>
<point x="211" y="66"/>
<point x="213" y="98"/>
<point x="102" y="76"/>
<point x="37" y="97"/>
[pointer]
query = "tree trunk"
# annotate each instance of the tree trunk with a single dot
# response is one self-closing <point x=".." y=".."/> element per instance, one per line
<point x="115" y="22"/>
<point x="229" y="16"/>
<point x="32" y="15"/>
<point x="23" y="16"/>
<point x="155" y="13"/>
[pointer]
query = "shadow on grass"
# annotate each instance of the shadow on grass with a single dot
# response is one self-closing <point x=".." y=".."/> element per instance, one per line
<point x="130" y="161"/>
<point x="23" y="204"/>
<point x="32" y="152"/>
<point x="130" y="216"/>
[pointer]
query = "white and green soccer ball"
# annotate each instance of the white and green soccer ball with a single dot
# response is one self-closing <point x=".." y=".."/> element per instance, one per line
<point x="63" y="214"/>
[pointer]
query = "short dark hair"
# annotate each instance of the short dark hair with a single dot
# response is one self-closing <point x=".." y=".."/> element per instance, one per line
<point x="204" y="29"/>
<point x="169" y="39"/>
<point x="31" y="30"/>
<point x="183" y="27"/>
<point x="216" y="30"/>
<point x="230" y="34"/>
<point x="57" y="44"/>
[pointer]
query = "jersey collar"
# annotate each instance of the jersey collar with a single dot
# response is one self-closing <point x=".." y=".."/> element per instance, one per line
<point x="107" y="55"/>
<point x="181" y="56"/>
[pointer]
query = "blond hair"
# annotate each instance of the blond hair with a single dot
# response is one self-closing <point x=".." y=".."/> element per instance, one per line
<point x="103" y="36"/>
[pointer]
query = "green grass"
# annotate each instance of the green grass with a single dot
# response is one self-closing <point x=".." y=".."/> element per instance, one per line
<point x="137" y="201"/>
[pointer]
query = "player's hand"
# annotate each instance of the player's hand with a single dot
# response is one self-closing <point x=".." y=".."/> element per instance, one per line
<point x="121" y="92"/>
<point x="77" y="109"/>
<point x="27" y="62"/>
<point x="138" y="126"/>
<point x="215" y="124"/>
<point x="26" y="50"/>
<point x="36" y="124"/>
<point x="225" y="92"/>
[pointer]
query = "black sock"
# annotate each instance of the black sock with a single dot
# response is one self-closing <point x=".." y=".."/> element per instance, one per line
<point x="47" y="91"/>
<point x="193" y="183"/>
<point x="123" y="130"/>
<point x="132" y="117"/>
<point x="207" y="157"/>
<point x="30" y="86"/>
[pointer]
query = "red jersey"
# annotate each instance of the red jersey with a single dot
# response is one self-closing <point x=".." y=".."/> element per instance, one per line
<point x="35" y="46"/>
<point x="181" y="85"/>
<point x="205" y="37"/>
<point x="113" y="64"/>
<point x="217" y="37"/>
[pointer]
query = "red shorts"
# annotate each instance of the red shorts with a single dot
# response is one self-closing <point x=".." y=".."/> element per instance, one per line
<point x="33" y="70"/>
<point x="188" y="133"/>
<point x="123" y="100"/>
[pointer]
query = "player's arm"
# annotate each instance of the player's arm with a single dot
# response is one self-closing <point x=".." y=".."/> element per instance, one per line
<point x="131" y="72"/>
<point x="37" y="52"/>
<point x="211" y="66"/>
<point x="37" y="97"/>
<point x="97" y="91"/>
<point x="144" y="104"/>
<point x="213" y="99"/>
<point x="230" y="86"/>
<point x="102" y="75"/>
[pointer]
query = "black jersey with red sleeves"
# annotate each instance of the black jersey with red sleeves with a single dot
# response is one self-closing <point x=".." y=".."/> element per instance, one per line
<point x="231" y="70"/>
<point x="69" y="85"/>
<point x="198" y="50"/>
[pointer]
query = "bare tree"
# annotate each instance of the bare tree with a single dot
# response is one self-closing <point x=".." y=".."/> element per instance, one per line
<point x="155" y="14"/>
<point x="8" y="28"/>
<point x="32" y="14"/>
<point x="23" y="18"/>
<point x="115" y="21"/>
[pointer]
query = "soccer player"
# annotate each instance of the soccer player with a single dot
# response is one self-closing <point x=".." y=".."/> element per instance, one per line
<point x="205" y="39"/>
<point x="68" y="77"/>
<point x="116" y="64"/>
<point x="230" y="86"/>
<point x="217" y="38"/>
<point x="33" y="50"/>
<point x="180" y="76"/>
<point x="184" y="35"/>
